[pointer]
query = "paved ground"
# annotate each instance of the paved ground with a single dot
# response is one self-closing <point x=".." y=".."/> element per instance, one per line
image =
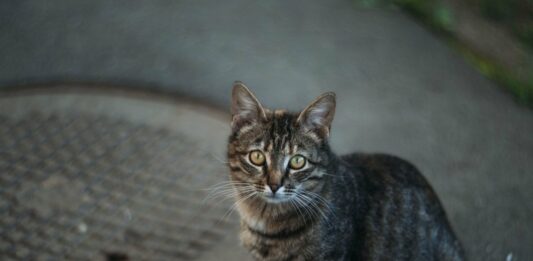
<point x="400" y="89"/>
<point x="87" y="175"/>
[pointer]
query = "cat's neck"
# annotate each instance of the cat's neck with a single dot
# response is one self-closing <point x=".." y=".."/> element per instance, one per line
<point x="269" y="220"/>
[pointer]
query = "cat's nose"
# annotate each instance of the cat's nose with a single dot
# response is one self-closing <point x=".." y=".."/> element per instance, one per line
<point x="273" y="187"/>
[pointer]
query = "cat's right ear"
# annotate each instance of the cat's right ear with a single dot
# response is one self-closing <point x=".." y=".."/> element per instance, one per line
<point x="245" y="108"/>
<point x="318" y="115"/>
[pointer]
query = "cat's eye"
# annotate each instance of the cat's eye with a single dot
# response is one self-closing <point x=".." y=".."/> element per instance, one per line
<point x="257" y="157"/>
<point x="297" y="162"/>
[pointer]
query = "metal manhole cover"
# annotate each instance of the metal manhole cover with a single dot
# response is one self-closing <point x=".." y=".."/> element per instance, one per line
<point x="96" y="177"/>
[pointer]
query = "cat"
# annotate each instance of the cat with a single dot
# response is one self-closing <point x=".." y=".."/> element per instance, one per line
<point x="299" y="201"/>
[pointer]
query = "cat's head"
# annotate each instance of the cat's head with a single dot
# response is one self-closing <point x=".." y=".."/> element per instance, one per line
<point x="275" y="155"/>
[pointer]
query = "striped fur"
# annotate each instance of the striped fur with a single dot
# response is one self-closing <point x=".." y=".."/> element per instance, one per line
<point x="356" y="207"/>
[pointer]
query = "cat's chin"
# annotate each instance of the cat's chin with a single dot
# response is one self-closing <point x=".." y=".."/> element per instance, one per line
<point x="276" y="199"/>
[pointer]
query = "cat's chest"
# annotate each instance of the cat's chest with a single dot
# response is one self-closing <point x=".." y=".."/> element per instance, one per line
<point x="304" y="246"/>
<point x="291" y="238"/>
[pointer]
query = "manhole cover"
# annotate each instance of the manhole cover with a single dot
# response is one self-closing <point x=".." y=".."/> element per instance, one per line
<point x="94" y="176"/>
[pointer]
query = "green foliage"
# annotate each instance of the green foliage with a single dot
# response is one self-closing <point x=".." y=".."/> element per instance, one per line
<point x="522" y="89"/>
<point x="443" y="18"/>
<point x="524" y="32"/>
<point x="497" y="9"/>
<point x="433" y="13"/>
<point x="514" y="13"/>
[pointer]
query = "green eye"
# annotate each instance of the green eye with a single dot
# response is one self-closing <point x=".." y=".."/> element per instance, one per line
<point x="297" y="162"/>
<point x="257" y="157"/>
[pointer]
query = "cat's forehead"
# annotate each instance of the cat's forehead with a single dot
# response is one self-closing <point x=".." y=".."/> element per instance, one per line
<point x="281" y="131"/>
<point x="278" y="133"/>
<point x="281" y="122"/>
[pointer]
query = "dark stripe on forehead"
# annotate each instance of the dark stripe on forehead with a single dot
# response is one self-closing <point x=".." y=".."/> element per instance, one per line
<point x="281" y="130"/>
<point x="288" y="128"/>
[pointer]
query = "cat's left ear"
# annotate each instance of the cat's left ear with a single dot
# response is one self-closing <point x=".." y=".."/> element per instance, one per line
<point x="318" y="115"/>
<point x="245" y="108"/>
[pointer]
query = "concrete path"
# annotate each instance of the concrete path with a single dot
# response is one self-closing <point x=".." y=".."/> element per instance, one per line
<point x="400" y="89"/>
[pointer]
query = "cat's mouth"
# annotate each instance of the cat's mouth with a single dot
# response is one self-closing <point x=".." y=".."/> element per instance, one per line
<point x="276" y="197"/>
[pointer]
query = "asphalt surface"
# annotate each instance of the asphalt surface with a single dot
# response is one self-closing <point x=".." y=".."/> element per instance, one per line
<point x="400" y="89"/>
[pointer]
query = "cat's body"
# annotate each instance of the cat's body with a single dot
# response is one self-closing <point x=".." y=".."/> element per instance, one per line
<point x="355" y="207"/>
<point x="384" y="210"/>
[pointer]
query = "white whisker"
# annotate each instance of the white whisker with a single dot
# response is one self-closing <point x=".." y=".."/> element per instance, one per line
<point x="234" y="206"/>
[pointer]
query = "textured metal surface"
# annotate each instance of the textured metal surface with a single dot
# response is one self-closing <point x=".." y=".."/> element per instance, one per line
<point x="75" y="186"/>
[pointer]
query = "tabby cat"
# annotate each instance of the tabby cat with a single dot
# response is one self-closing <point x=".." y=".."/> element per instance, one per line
<point x="299" y="201"/>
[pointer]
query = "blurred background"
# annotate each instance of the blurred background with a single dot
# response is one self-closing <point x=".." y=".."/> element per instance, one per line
<point x="114" y="114"/>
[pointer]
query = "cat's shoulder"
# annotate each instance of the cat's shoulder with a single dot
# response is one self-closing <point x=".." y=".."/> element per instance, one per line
<point x="378" y="162"/>
<point x="385" y="168"/>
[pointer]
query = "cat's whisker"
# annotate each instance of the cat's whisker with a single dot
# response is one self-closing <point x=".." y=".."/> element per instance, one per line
<point x="220" y="188"/>
<point x="231" y="192"/>
<point x="226" y="185"/>
<point x="210" y="187"/>
<point x="229" y="187"/>
<point x="219" y="159"/>
<point x="221" y="193"/>
<point x="312" y="201"/>
<point x="316" y="208"/>
<point x="236" y="201"/>
<point x="210" y="153"/>
<point x="308" y="213"/>
<point x="326" y="203"/>
<point x="318" y="197"/>
<point x="296" y="206"/>
<point x="219" y="200"/>
<point x="314" y="196"/>
<point x="312" y="206"/>
<point x="234" y="206"/>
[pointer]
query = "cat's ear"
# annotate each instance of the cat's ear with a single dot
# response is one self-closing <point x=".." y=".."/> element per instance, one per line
<point x="244" y="106"/>
<point x="318" y="115"/>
